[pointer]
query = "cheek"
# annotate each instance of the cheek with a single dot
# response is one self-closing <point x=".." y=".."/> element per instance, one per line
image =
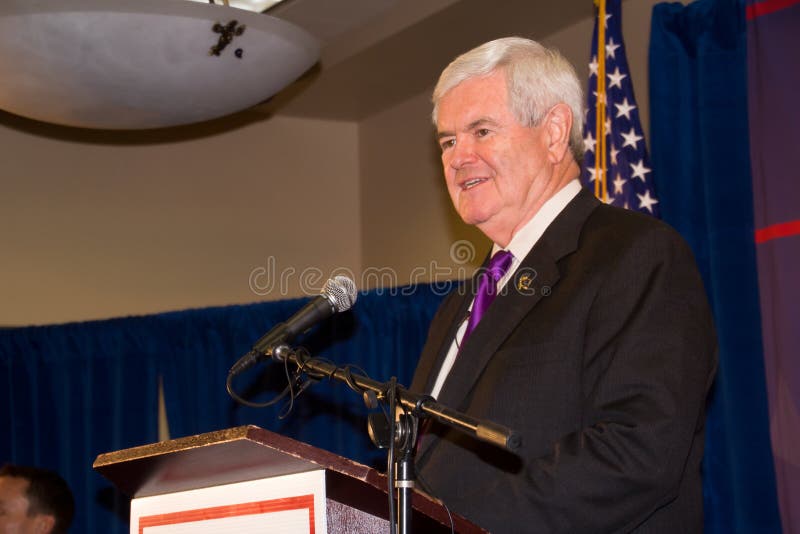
<point x="449" y="172"/>
<point x="518" y="174"/>
<point x="449" y="178"/>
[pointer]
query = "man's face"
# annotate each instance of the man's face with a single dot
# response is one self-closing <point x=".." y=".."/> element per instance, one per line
<point x="14" y="503"/>
<point x="496" y="169"/>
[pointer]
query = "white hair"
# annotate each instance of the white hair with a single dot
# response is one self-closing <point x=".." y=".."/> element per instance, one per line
<point x="538" y="78"/>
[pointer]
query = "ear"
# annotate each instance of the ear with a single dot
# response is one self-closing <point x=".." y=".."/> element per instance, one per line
<point x="558" y="123"/>
<point x="44" y="523"/>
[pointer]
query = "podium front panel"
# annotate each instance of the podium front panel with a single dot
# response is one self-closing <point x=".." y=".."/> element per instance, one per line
<point x="289" y="504"/>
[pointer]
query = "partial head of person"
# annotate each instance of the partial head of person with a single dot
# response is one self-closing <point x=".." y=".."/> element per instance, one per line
<point x="509" y="120"/>
<point x="34" y="501"/>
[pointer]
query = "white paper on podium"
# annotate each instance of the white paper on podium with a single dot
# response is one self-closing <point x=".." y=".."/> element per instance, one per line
<point x="289" y="504"/>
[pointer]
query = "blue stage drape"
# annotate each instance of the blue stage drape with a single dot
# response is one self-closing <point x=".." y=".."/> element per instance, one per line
<point x="72" y="392"/>
<point x="700" y="156"/>
<point x="382" y="335"/>
<point x="78" y="390"/>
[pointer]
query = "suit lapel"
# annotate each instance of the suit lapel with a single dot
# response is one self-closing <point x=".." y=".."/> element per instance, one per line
<point x="511" y="306"/>
<point x="505" y="313"/>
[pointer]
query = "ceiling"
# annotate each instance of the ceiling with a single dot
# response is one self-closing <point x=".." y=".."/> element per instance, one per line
<point x="377" y="53"/>
<point x="374" y="54"/>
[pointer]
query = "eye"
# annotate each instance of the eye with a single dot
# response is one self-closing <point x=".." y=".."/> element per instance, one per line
<point x="447" y="143"/>
<point x="482" y="132"/>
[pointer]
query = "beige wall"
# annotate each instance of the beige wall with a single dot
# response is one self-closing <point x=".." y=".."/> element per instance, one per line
<point x="94" y="229"/>
<point x="407" y="220"/>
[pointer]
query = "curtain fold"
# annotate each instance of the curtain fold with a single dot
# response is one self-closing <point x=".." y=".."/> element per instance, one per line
<point x="700" y="156"/>
<point x="381" y="336"/>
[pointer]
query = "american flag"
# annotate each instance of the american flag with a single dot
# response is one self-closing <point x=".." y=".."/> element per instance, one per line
<point x="623" y="177"/>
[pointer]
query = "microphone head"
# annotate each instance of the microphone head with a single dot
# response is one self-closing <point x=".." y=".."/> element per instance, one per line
<point x="341" y="292"/>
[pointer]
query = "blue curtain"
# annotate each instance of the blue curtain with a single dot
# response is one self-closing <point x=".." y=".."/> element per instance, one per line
<point x="382" y="335"/>
<point x="700" y="156"/>
<point x="72" y="392"/>
<point x="78" y="390"/>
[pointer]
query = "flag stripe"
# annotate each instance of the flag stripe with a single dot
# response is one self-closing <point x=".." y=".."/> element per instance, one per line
<point x="767" y="7"/>
<point x="777" y="231"/>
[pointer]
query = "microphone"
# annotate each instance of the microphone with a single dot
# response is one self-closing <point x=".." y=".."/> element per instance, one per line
<point x="338" y="295"/>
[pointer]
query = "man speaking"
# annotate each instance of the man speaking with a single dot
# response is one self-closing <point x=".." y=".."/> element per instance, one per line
<point x="587" y="329"/>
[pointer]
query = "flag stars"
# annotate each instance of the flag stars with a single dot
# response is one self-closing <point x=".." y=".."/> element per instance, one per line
<point x="593" y="66"/>
<point x="589" y="142"/>
<point x="616" y="78"/>
<point x="631" y="139"/>
<point x="619" y="183"/>
<point x="624" y="109"/>
<point x="627" y="179"/>
<point x="593" y="173"/>
<point x="598" y="100"/>
<point x="639" y="170"/>
<point x="611" y="48"/>
<point x="646" y="201"/>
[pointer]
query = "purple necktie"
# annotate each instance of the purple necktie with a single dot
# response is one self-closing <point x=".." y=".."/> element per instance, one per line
<point x="487" y="291"/>
<point x="487" y="288"/>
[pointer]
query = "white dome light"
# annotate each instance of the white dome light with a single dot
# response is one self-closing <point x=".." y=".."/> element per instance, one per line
<point x="135" y="64"/>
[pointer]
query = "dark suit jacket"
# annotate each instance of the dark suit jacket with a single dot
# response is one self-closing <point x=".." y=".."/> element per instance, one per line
<point x="602" y="365"/>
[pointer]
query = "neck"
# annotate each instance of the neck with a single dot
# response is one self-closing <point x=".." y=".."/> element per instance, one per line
<point x="503" y="232"/>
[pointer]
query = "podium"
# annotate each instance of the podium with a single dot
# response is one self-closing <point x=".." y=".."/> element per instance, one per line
<point x="248" y="479"/>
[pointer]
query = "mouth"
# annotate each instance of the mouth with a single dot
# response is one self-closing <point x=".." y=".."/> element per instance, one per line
<point x="469" y="184"/>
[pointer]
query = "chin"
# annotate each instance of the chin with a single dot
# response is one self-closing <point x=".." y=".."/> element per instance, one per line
<point x="473" y="219"/>
<point x="477" y="210"/>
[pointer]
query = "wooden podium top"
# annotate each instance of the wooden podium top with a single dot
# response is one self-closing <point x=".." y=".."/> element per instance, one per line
<point x="251" y="453"/>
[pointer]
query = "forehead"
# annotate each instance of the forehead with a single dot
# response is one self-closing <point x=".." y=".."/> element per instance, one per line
<point x="484" y="97"/>
<point x="13" y="489"/>
<point x="13" y="484"/>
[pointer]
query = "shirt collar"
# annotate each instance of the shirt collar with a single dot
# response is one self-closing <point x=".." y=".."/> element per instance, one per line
<point x="527" y="236"/>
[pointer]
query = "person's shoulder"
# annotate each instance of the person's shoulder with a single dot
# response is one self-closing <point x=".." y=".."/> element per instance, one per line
<point x="628" y="222"/>
<point x="622" y="231"/>
<point x="593" y="217"/>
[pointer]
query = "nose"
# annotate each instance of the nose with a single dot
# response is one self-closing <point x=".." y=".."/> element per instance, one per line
<point x="462" y="153"/>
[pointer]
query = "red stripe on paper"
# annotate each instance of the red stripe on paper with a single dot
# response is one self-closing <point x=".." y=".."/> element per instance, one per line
<point x="776" y="231"/>
<point x="232" y="510"/>
<point x="767" y="7"/>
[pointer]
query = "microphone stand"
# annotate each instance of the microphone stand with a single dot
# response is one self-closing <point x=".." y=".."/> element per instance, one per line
<point x="404" y="482"/>
<point x="403" y="431"/>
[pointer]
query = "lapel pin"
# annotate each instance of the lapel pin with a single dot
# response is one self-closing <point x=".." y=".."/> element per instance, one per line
<point x="525" y="282"/>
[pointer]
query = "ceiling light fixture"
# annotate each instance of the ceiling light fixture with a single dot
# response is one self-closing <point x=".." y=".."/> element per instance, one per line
<point x="137" y="64"/>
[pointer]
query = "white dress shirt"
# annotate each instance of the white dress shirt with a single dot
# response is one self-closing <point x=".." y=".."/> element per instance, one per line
<point x="521" y="244"/>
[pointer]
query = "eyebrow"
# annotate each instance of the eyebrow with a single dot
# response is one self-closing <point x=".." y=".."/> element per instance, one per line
<point x="471" y="126"/>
